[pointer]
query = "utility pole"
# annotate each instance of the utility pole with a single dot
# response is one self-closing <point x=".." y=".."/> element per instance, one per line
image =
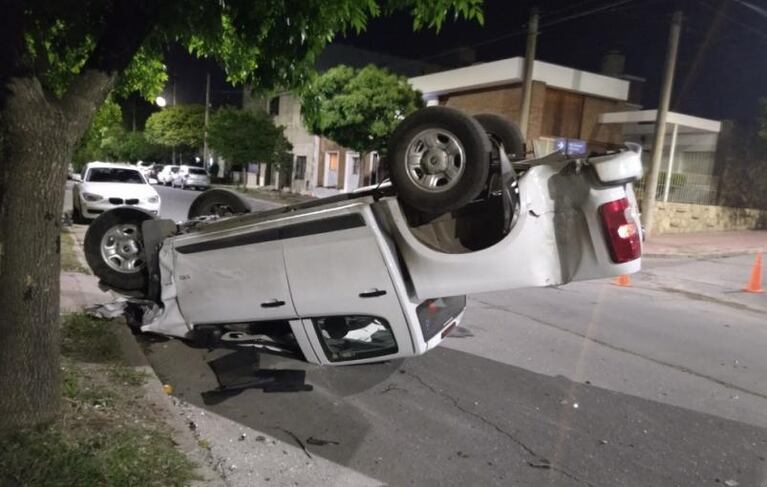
<point x="527" y="85"/>
<point x="173" y="103"/>
<point x="651" y="183"/>
<point x="207" y="114"/>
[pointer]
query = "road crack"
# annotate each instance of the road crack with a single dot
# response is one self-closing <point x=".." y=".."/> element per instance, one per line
<point x="538" y="460"/>
<point x="296" y="439"/>
<point x="617" y="348"/>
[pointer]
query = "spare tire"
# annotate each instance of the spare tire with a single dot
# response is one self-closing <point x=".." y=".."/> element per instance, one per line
<point x="438" y="159"/>
<point x="219" y="202"/>
<point x="505" y="133"/>
<point x="114" y="248"/>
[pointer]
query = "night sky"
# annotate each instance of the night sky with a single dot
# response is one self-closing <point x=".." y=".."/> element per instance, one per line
<point x="721" y="69"/>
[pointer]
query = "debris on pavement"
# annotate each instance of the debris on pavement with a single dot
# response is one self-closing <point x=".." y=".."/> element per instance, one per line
<point x="540" y="463"/>
<point x="108" y="310"/>
<point x="297" y="439"/>
<point x="731" y="483"/>
<point x="318" y="442"/>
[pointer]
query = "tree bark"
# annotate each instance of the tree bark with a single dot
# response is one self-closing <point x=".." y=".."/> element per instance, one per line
<point x="31" y="195"/>
<point x="39" y="135"/>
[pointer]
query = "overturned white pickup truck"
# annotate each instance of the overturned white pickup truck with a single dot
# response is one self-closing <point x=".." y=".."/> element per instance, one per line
<point x="381" y="273"/>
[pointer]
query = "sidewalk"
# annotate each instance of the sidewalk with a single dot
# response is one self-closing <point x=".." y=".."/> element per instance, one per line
<point x="226" y="453"/>
<point x="708" y="244"/>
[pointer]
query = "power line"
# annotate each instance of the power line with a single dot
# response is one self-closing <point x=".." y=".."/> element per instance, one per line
<point x="761" y="11"/>
<point x="749" y="28"/>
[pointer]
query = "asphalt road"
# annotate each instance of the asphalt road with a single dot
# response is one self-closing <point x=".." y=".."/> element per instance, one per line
<point x="663" y="383"/>
<point x="175" y="202"/>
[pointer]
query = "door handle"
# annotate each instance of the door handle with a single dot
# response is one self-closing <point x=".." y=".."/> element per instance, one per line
<point x="372" y="293"/>
<point x="272" y="303"/>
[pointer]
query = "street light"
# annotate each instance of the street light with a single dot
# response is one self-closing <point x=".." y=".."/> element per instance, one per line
<point x="160" y="101"/>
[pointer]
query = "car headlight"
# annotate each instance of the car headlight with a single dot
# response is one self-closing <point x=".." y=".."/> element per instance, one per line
<point x="153" y="199"/>
<point x="92" y="197"/>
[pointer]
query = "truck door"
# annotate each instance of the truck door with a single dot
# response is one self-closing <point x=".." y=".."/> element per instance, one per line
<point x="234" y="278"/>
<point x="342" y="289"/>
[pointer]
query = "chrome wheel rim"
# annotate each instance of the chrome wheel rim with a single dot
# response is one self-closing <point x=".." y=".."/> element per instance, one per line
<point x="121" y="248"/>
<point x="435" y="160"/>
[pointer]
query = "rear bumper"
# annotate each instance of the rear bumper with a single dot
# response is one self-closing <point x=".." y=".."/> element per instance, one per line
<point x="197" y="183"/>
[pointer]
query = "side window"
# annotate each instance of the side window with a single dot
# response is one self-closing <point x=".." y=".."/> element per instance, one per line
<point x="346" y="338"/>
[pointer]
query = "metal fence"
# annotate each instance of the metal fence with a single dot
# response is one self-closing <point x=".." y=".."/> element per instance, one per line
<point x="684" y="188"/>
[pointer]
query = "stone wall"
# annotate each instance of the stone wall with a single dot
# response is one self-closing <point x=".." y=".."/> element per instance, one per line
<point x="687" y="218"/>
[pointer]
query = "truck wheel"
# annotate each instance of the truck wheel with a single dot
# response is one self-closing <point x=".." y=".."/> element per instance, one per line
<point x="439" y="159"/>
<point x="503" y="133"/>
<point x="77" y="216"/>
<point x="114" y="248"/>
<point x="220" y="202"/>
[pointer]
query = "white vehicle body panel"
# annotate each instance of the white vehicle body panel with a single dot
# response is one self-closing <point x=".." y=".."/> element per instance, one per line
<point x="553" y="242"/>
<point x="359" y="257"/>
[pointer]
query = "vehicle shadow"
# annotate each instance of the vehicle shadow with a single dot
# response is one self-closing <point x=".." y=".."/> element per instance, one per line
<point x="241" y="370"/>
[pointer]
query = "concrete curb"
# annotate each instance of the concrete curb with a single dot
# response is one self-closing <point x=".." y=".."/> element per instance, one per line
<point x="703" y="255"/>
<point x="157" y="399"/>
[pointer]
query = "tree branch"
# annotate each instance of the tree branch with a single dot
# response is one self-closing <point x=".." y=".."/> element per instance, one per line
<point x="126" y="27"/>
<point x="12" y="41"/>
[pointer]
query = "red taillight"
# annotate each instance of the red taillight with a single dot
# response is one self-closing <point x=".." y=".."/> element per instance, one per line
<point x="621" y="230"/>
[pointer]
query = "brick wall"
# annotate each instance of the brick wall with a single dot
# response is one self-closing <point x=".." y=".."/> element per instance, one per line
<point x="553" y="112"/>
<point x="687" y="218"/>
<point x="592" y="130"/>
<point x="503" y="100"/>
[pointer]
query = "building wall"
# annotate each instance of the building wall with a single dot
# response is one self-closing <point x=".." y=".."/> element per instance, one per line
<point x="688" y="218"/>
<point x="553" y="112"/>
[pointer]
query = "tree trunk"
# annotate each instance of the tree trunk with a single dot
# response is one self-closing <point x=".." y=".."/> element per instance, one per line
<point x="35" y="155"/>
<point x="38" y="135"/>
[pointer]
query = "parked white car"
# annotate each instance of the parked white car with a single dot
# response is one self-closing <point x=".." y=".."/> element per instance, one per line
<point x="145" y="167"/>
<point x="104" y="186"/>
<point x="165" y="176"/>
<point x="381" y="273"/>
<point x="191" y="177"/>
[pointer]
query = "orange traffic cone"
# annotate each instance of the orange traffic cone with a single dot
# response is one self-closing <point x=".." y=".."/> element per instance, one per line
<point x="755" y="282"/>
<point x="622" y="281"/>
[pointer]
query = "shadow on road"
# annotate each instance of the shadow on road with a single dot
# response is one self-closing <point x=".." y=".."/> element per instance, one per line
<point x="240" y="370"/>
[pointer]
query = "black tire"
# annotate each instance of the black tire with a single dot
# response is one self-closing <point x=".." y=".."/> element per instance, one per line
<point x="77" y="216"/>
<point x="217" y="201"/>
<point x="475" y="166"/>
<point x="505" y="132"/>
<point x="129" y="281"/>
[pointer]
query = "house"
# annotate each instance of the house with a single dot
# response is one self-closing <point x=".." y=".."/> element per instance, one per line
<point x="566" y="106"/>
<point x="320" y="166"/>
<point x="566" y="103"/>
<point x="689" y="155"/>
